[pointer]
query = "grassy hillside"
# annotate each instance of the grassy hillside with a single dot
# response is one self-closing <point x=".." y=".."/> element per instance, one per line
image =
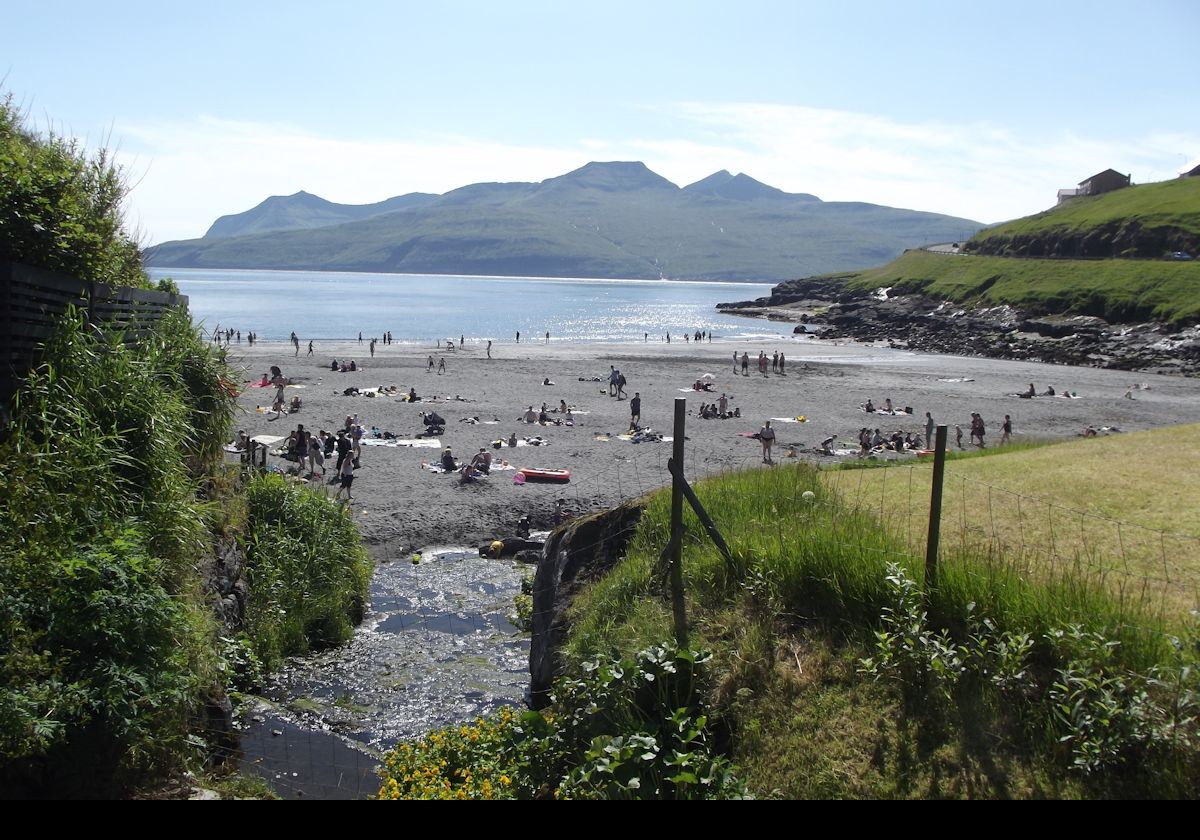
<point x="1118" y="290"/>
<point x="834" y="682"/>
<point x="1148" y="220"/>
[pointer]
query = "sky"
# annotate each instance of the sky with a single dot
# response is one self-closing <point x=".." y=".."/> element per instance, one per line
<point x="971" y="109"/>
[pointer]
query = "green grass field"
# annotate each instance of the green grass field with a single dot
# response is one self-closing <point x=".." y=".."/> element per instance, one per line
<point x="1117" y="290"/>
<point x="1106" y="509"/>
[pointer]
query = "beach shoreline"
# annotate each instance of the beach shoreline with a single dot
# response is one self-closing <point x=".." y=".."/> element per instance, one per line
<point x="401" y="507"/>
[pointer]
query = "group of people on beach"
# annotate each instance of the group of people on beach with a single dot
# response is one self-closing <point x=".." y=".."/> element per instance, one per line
<point x="227" y="336"/>
<point x="718" y="410"/>
<point x="778" y="363"/>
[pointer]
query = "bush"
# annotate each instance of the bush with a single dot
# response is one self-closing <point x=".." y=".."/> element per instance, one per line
<point x="61" y="209"/>
<point x="308" y="572"/>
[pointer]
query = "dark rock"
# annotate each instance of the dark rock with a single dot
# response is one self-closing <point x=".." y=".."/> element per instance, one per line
<point x="219" y="730"/>
<point x="576" y="553"/>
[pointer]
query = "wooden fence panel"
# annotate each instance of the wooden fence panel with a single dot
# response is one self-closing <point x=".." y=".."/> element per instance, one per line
<point x="33" y="300"/>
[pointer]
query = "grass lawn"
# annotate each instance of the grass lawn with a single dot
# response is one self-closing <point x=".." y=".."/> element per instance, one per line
<point x="1117" y="508"/>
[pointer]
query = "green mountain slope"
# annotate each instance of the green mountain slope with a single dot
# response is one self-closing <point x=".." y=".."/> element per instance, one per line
<point x="303" y="211"/>
<point x="602" y="220"/>
<point x="1149" y="220"/>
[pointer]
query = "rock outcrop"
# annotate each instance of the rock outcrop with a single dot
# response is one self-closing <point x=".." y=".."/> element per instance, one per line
<point x="827" y="308"/>
<point x="576" y="553"/>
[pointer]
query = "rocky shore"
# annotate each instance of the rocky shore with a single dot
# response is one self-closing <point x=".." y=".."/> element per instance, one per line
<point x="827" y="308"/>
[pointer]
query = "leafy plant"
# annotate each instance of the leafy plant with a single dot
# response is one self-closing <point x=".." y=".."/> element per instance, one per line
<point x="625" y="729"/>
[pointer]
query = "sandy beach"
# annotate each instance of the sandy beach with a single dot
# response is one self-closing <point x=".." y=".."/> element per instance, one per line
<point x="401" y="507"/>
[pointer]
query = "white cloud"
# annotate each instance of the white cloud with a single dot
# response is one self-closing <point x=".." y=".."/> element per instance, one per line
<point x="978" y="170"/>
<point x="189" y="174"/>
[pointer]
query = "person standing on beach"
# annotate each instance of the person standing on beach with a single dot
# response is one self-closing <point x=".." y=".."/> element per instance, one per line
<point x="429" y="369"/>
<point x="958" y="436"/>
<point x="547" y="336"/>
<point x="620" y="385"/>
<point x="518" y="336"/>
<point x="723" y="404"/>
<point x="441" y="365"/>
<point x="781" y="362"/>
<point x="489" y="349"/>
<point x="775" y="362"/>
<point x="310" y="347"/>
<point x="745" y="363"/>
<point x="735" y="361"/>
<point x="929" y="426"/>
<point x="635" y="411"/>
<point x="767" y="435"/>
<point x="346" y="476"/>
<point x="612" y="380"/>
<point x="1007" y="430"/>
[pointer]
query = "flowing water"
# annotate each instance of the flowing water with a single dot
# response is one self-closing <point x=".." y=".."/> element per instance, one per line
<point x="436" y="648"/>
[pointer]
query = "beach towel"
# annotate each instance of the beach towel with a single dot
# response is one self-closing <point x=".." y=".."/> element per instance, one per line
<point x="957" y="379"/>
<point x="259" y="384"/>
<point x="416" y="443"/>
<point x="799" y="418"/>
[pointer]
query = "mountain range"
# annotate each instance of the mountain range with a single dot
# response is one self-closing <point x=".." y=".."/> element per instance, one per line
<point x="615" y="219"/>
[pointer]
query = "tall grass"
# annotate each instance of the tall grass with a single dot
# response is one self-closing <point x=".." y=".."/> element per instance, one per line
<point x="813" y="571"/>
<point x="821" y="558"/>
<point x="308" y="571"/>
<point x="105" y="642"/>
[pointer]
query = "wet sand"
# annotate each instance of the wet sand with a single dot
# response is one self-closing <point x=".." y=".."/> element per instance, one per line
<point x="401" y="507"/>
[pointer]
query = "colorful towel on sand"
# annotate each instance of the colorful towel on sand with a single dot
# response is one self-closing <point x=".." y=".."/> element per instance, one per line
<point x="799" y="418"/>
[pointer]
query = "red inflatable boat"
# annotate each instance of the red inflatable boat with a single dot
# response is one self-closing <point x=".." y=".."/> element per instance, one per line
<point x="542" y="474"/>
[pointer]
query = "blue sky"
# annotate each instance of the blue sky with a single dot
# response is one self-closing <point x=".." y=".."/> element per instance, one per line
<point x="976" y="110"/>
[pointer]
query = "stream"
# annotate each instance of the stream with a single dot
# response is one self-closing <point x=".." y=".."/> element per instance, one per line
<point x="437" y="647"/>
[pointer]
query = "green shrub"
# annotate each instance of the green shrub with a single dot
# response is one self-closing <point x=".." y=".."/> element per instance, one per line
<point x="61" y="209"/>
<point x="102" y="679"/>
<point x="307" y="569"/>
<point x="635" y="728"/>
<point x="107" y="644"/>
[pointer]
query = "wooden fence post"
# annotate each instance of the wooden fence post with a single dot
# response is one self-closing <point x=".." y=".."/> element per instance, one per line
<point x="678" y="605"/>
<point x="935" y="510"/>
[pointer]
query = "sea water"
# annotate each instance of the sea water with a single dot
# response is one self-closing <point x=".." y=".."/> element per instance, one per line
<point x="423" y="308"/>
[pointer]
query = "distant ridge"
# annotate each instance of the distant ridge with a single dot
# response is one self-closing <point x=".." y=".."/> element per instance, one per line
<point x="604" y="219"/>
<point x="302" y="211"/>
<point x="741" y="187"/>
